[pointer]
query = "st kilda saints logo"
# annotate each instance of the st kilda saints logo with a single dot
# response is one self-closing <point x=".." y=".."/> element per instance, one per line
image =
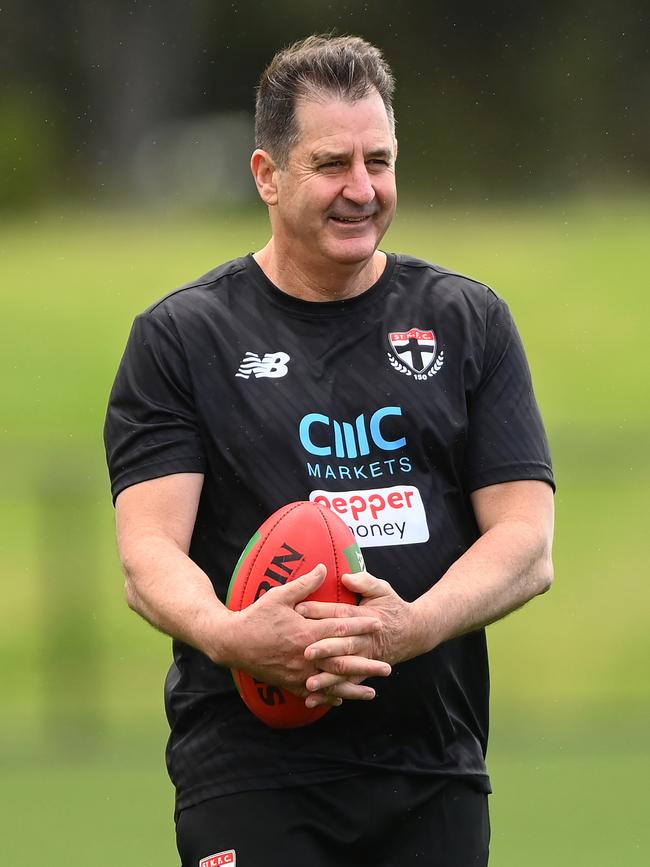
<point x="413" y="353"/>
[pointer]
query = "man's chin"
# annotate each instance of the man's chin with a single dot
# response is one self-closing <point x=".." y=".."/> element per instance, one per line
<point x="353" y="251"/>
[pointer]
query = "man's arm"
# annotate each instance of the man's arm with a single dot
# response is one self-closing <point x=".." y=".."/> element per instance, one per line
<point x="155" y="520"/>
<point x="508" y="565"/>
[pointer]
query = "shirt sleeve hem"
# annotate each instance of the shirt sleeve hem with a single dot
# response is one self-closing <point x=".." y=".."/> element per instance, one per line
<point x="538" y="472"/>
<point x="155" y="470"/>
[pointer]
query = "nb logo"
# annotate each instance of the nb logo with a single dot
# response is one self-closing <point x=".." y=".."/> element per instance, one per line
<point x="349" y="440"/>
<point x="272" y="365"/>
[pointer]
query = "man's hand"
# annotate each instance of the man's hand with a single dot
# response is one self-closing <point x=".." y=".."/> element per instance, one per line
<point x="392" y="641"/>
<point x="507" y="565"/>
<point x="268" y="639"/>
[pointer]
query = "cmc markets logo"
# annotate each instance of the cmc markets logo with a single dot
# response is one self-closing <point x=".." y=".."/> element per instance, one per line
<point x="345" y="439"/>
<point x="330" y="438"/>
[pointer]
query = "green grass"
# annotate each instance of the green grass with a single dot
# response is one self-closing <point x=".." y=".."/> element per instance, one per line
<point x="113" y="806"/>
<point x="82" y="676"/>
<point x="566" y="805"/>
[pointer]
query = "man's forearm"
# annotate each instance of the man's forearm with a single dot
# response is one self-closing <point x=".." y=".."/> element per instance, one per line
<point x="505" y="567"/>
<point x="165" y="587"/>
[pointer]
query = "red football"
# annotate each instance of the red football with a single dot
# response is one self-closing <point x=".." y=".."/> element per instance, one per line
<point x="290" y="543"/>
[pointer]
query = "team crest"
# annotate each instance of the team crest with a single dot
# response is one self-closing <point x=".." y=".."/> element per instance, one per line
<point x="414" y="352"/>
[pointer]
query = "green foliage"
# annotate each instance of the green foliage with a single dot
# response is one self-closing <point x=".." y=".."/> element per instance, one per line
<point x="30" y="149"/>
<point x="493" y="100"/>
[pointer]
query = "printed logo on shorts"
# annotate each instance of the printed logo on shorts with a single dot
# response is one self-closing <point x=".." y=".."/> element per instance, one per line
<point x="379" y="516"/>
<point x="228" y="856"/>
<point x="272" y="365"/>
<point x="413" y="353"/>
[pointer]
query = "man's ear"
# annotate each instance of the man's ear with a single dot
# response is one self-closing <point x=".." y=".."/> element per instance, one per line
<point x="264" y="172"/>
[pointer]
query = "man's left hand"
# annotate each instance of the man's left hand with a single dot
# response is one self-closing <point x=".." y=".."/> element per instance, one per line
<point x="397" y="639"/>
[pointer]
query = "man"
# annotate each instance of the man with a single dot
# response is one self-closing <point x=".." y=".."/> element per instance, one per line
<point x="321" y="367"/>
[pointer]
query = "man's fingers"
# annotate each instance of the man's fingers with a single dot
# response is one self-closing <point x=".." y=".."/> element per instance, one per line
<point x="298" y="589"/>
<point x="351" y="645"/>
<point x="323" y="680"/>
<point x="337" y="669"/>
<point x="365" y="584"/>
<point x="351" y="626"/>
<point x="346" y="689"/>
<point x="320" y="610"/>
<point x="317" y="699"/>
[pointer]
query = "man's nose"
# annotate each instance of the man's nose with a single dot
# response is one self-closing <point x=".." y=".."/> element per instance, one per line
<point x="358" y="187"/>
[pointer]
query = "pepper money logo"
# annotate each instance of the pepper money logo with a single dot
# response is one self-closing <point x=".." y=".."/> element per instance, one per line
<point x="342" y="443"/>
<point x="379" y="516"/>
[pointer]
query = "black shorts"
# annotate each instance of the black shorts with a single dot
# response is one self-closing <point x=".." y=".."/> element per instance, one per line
<point x="371" y="820"/>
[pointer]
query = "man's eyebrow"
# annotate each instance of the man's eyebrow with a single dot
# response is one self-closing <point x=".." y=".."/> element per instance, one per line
<point x="381" y="153"/>
<point x="331" y="156"/>
<point x="325" y="156"/>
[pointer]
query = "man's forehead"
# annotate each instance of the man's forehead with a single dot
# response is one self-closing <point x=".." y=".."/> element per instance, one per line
<point x="328" y="119"/>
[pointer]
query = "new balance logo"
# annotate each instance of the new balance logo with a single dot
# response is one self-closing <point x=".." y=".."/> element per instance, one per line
<point x="272" y="365"/>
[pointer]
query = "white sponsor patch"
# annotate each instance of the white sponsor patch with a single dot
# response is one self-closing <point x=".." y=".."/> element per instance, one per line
<point x="379" y="516"/>
<point x="219" y="859"/>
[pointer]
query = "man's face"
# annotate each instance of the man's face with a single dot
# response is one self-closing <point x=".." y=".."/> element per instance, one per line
<point x="337" y="195"/>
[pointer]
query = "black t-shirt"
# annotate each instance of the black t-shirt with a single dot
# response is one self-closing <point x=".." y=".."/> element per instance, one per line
<point x="391" y="408"/>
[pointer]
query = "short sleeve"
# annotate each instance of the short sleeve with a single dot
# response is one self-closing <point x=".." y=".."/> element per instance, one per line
<point x="506" y="437"/>
<point x="151" y="427"/>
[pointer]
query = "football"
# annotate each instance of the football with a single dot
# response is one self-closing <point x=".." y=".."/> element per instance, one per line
<point x="290" y="543"/>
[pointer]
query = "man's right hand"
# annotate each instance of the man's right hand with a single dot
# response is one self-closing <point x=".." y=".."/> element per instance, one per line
<point x="268" y="640"/>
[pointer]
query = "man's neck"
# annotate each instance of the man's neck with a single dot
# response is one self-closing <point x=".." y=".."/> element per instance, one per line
<point x="332" y="282"/>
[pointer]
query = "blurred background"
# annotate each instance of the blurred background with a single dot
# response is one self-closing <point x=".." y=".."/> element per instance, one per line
<point x="125" y="130"/>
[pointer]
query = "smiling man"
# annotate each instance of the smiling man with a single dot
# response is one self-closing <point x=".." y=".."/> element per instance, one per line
<point x="332" y="202"/>
<point x="394" y="392"/>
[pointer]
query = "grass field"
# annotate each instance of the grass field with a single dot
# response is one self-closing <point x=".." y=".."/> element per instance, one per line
<point x="82" y="732"/>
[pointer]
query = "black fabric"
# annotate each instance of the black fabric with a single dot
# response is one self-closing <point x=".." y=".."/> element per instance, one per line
<point x="275" y="399"/>
<point x="381" y="820"/>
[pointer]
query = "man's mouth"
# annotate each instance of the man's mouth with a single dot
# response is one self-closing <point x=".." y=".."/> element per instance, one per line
<point x="340" y="219"/>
